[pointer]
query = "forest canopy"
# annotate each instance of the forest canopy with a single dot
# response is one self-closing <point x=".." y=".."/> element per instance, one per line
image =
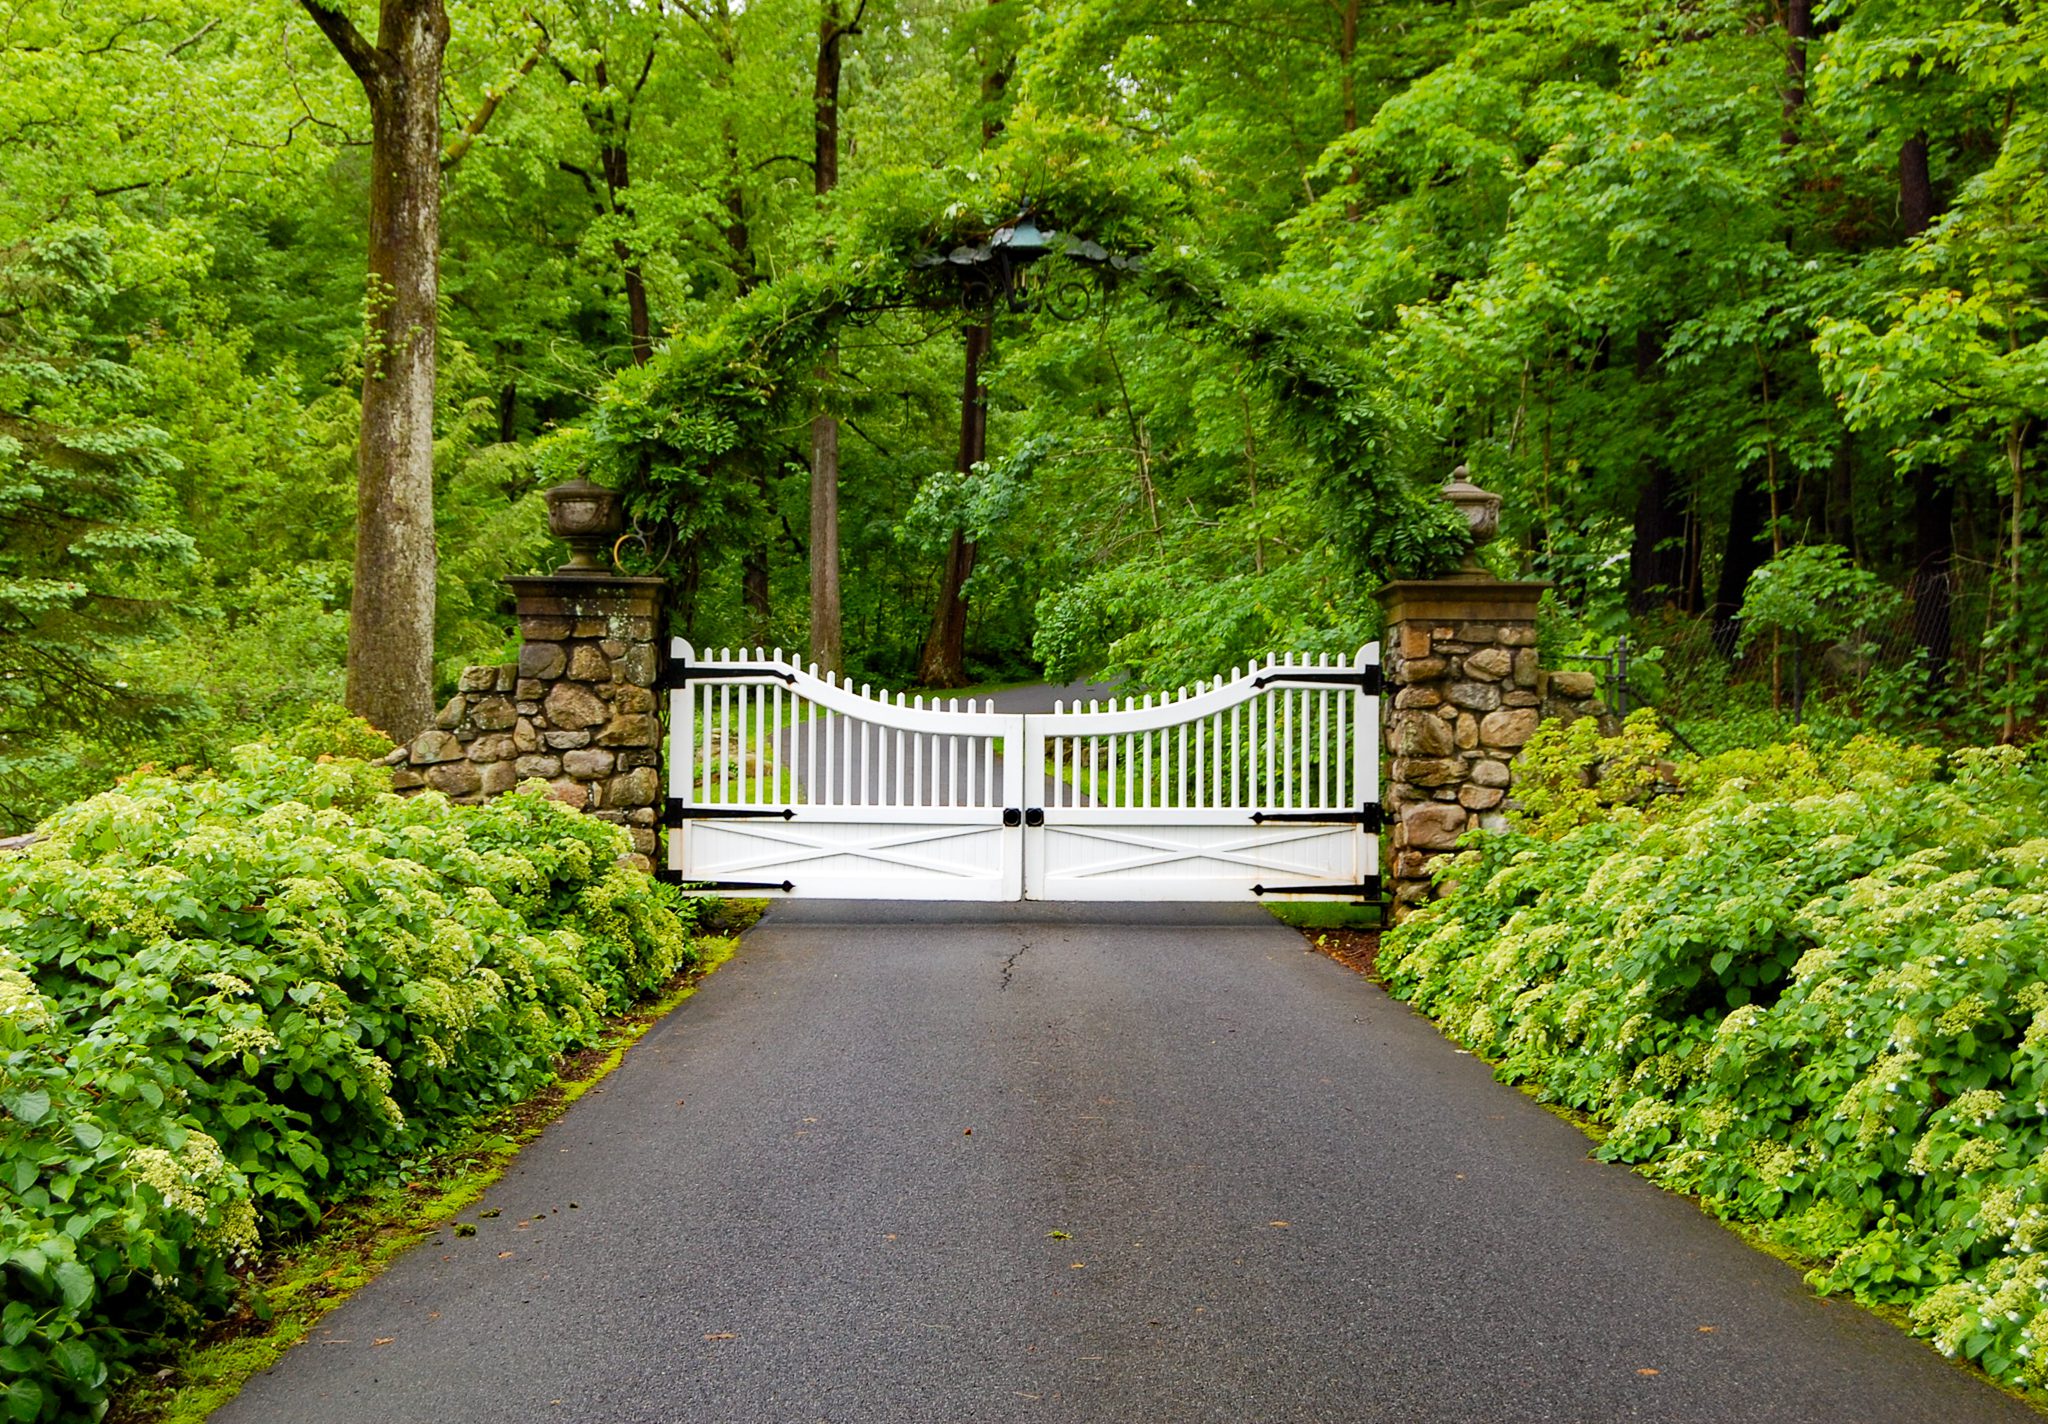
<point x="1702" y="289"/>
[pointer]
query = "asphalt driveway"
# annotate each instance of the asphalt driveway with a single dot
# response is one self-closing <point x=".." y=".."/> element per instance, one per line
<point x="960" y="1164"/>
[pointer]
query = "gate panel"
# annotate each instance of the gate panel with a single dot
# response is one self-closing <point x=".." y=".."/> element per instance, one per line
<point x="785" y="783"/>
<point x="1264" y="785"/>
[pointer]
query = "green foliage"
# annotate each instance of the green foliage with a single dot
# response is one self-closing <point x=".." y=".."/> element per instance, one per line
<point x="85" y="546"/>
<point x="1569" y="776"/>
<point x="1812" y="989"/>
<point x="228" y="1000"/>
<point x="1814" y="593"/>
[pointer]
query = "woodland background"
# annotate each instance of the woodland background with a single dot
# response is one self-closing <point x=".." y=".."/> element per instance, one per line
<point x="1703" y="287"/>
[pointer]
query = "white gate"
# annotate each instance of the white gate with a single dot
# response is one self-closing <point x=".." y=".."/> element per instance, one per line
<point x="1261" y="785"/>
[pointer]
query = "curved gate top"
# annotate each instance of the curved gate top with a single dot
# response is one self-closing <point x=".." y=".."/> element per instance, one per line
<point x="1262" y="785"/>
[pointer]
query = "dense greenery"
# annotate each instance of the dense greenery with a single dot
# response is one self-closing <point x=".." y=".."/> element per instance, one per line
<point x="1810" y="986"/>
<point x="228" y="1000"/>
<point x="1691" y="284"/>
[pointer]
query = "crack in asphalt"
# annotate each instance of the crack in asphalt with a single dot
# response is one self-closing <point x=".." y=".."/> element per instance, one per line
<point x="1010" y="965"/>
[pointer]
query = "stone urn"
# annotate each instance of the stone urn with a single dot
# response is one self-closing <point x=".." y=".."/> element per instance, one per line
<point x="588" y="518"/>
<point x="1480" y="510"/>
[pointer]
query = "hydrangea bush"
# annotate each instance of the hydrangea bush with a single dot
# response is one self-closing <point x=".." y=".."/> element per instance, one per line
<point x="1811" y="988"/>
<point x="227" y="1001"/>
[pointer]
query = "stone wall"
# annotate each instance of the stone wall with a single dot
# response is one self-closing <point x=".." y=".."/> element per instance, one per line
<point x="576" y="711"/>
<point x="1465" y="692"/>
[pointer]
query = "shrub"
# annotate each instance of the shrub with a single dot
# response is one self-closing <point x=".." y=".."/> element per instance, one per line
<point x="228" y="1000"/>
<point x="1811" y="988"/>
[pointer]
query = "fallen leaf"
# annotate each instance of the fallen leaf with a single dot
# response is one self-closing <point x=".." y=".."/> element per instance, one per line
<point x="1706" y="1330"/>
<point x="890" y="1237"/>
<point x="1078" y="1265"/>
<point x="1646" y="1372"/>
<point x="968" y="1133"/>
<point x="1282" y="1224"/>
<point x="465" y="1228"/>
<point x="1059" y="1236"/>
<point x="384" y="1340"/>
<point x="722" y="1335"/>
<point x="504" y="1255"/>
<point x="494" y="1211"/>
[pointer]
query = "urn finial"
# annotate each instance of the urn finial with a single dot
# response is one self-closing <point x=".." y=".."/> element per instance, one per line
<point x="587" y="516"/>
<point x="1480" y="510"/>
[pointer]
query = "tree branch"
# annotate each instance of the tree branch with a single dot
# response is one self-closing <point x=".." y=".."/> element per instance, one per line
<point x="358" y="53"/>
<point x="194" y="38"/>
<point x="492" y="98"/>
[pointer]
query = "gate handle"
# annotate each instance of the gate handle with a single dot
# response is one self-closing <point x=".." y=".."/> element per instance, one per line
<point x="1034" y="817"/>
<point x="1012" y="816"/>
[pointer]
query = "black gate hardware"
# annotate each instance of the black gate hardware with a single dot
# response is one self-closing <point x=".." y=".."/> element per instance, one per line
<point x="1367" y="816"/>
<point x="1012" y="816"/>
<point x="1035" y="816"/>
<point x="685" y="672"/>
<point x="728" y="813"/>
<point x="1369" y="890"/>
<point x="783" y="885"/>
<point x="1366" y="679"/>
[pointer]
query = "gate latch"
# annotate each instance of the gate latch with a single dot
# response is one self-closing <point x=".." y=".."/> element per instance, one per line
<point x="1035" y="816"/>
<point x="1013" y="817"/>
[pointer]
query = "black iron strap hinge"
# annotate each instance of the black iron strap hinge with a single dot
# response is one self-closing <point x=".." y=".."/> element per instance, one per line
<point x="686" y="672"/>
<point x="1368" y="889"/>
<point x="1366" y="679"/>
<point x="680" y="812"/>
<point x="782" y="885"/>
<point x="1368" y="816"/>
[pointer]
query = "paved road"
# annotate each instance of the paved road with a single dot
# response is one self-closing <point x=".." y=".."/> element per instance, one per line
<point x="827" y="1188"/>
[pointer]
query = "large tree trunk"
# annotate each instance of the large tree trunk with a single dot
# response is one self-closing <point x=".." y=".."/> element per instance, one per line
<point x="944" y="660"/>
<point x="391" y="609"/>
<point x="827" y="650"/>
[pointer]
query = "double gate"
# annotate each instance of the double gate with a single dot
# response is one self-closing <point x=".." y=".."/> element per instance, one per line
<point x="1262" y="785"/>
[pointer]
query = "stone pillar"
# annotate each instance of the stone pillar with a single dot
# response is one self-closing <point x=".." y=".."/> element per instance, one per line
<point x="1466" y="693"/>
<point x="577" y="710"/>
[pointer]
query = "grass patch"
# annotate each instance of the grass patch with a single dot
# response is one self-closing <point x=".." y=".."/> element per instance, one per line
<point x="1326" y="915"/>
<point x="285" y="1299"/>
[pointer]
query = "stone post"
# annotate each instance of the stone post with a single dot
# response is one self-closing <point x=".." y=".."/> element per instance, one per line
<point x="1461" y="665"/>
<point x="577" y="710"/>
<point x="1466" y="692"/>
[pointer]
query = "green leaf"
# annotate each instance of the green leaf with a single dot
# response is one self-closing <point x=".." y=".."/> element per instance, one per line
<point x="31" y="1105"/>
<point x="79" y="1363"/>
<point x="25" y="1401"/>
<point x="74" y="1283"/>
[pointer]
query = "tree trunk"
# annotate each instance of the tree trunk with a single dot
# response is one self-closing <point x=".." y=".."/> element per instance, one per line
<point x="1656" y="561"/>
<point x="754" y="593"/>
<point x="1841" y="501"/>
<point x="1742" y="556"/>
<point x="391" y="608"/>
<point x="1934" y="496"/>
<point x="826" y="618"/>
<point x="827" y="649"/>
<point x="944" y="661"/>
<point x="1798" y="31"/>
